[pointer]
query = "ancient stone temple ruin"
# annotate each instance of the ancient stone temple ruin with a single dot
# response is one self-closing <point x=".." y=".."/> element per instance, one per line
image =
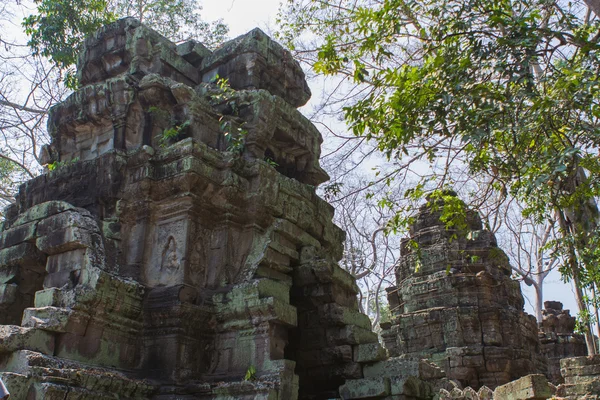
<point x="455" y="304"/>
<point x="176" y="249"/>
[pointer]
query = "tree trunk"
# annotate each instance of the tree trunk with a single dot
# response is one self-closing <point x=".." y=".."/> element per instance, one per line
<point x="597" y="314"/>
<point x="594" y="5"/>
<point x="589" y="338"/>
<point x="580" y="220"/>
<point x="574" y="267"/>
<point x="539" y="298"/>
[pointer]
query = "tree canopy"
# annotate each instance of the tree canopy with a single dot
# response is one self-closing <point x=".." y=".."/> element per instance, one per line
<point x="508" y="88"/>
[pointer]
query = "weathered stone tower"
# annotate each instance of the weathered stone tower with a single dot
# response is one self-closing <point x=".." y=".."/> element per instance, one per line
<point x="177" y="248"/>
<point x="456" y="304"/>
<point x="558" y="339"/>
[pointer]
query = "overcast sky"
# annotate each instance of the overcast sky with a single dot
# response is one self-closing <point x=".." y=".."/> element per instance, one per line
<point x="242" y="15"/>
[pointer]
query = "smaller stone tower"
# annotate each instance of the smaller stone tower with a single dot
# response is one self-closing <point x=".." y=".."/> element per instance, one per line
<point x="557" y="338"/>
<point x="456" y="304"/>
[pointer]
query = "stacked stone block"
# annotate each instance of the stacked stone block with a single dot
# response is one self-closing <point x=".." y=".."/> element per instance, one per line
<point x="582" y="378"/>
<point x="398" y="378"/>
<point x="333" y="339"/>
<point x="530" y="387"/>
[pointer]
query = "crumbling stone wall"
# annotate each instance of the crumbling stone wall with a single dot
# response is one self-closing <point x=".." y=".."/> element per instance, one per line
<point x="558" y="339"/>
<point x="178" y="250"/>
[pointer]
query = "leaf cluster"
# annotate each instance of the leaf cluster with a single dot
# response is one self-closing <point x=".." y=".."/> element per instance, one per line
<point x="57" y="29"/>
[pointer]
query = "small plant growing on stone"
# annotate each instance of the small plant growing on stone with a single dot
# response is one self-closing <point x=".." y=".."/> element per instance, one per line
<point x="271" y="162"/>
<point x="223" y="84"/>
<point x="59" y="164"/>
<point x="172" y="134"/>
<point x="416" y="249"/>
<point x="235" y="144"/>
<point x="226" y="90"/>
<point x="250" y="374"/>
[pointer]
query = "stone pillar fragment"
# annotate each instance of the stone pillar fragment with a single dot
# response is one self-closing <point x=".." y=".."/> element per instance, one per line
<point x="558" y="339"/>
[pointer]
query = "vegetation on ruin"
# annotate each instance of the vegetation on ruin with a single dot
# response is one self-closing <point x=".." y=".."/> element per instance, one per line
<point x="173" y="134"/>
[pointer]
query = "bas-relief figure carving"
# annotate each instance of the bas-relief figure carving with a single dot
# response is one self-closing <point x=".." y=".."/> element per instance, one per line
<point x="154" y="267"/>
<point x="171" y="261"/>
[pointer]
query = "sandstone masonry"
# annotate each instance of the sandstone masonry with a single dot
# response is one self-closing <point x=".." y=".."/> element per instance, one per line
<point x="456" y="304"/>
<point x="177" y="249"/>
<point x="557" y="338"/>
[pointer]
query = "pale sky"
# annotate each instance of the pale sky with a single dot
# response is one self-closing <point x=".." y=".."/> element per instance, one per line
<point x="242" y="15"/>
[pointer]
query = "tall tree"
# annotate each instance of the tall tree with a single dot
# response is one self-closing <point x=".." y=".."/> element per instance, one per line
<point x="176" y="19"/>
<point x="509" y="88"/>
<point x="529" y="248"/>
<point x="27" y="89"/>
<point x="370" y="254"/>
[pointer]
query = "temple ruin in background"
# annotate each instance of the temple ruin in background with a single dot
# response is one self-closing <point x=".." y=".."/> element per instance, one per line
<point x="461" y="308"/>
<point x="176" y="249"/>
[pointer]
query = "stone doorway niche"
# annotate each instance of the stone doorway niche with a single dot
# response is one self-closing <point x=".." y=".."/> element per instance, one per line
<point x="18" y="285"/>
<point x="330" y="328"/>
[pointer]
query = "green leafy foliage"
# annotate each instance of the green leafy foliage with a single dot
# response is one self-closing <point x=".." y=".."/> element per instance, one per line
<point x="176" y="19"/>
<point x="250" y="374"/>
<point x="235" y="137"/>
<point x="59" y="27"/>
<point x="59" y="164"/>
<point x="176" y="129"/>
<point x="271" y="162"/>
<point x="173" y="134"/>
<point x="510" y="89"/>
<point x="470" y="73"/>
